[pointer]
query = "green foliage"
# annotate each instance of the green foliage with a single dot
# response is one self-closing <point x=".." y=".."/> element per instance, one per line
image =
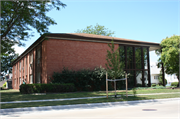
<point x="134" y="91"/>
<point x="138" y="85"/>
<point x="114" y="66"/>
<point x="174" y="84"/>
<point x="98" y="30"/>
<point x="169" y="54"/>
<point x="4" y="85"/>
<point x="83" y="80"/>
<point x="153" y="85"/>
<point x="42" y="88"/>
<point x="6" y="62"/>
<point x="18" y="18"/>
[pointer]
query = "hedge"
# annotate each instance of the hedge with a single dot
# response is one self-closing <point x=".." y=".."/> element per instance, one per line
<point x="175" y="84"/>
<point x="83" y="80"/>
<point x="153" y="85"/>
<point x="43" y="88"/>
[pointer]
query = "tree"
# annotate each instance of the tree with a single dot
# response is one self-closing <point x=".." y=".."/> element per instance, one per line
<point x="18" y="18"/>
<point x="160" y="78"/>
<point x="169" y="55"/>
<point x="98" y="30"/>
<point x="114" y="66"/>
<point x="6" y="62"/>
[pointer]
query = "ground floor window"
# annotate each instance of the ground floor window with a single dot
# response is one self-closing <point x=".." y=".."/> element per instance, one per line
<point x="19" y="81"/>
<point x="38" y="77"/>
<point x="135" y="60"/>
<point x="31" y="79"/>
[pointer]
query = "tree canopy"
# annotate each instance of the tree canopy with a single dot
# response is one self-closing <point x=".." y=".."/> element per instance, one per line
<point x="113" y="65"/>
<point x="98" y="30"/>
<point x="169" y="54"/>
<point x="18" y="18"/>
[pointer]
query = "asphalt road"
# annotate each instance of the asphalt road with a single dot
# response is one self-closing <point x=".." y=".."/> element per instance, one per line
<point x="149" y="110"/>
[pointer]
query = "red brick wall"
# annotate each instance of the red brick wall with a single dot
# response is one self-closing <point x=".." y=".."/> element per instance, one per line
<point x="24" y="73"/>
<point x="74" y="55"/>
<point x="57" y="54"/>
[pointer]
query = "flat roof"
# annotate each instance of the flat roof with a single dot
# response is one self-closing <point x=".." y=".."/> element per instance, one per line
<point x="89" y="38"/>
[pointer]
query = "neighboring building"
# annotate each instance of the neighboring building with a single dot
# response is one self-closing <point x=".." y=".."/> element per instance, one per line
<point x="52" y="52"/>
<point x="155" y="72"/>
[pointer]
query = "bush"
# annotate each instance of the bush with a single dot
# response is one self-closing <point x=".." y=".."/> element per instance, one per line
<point x="42" y="88"/>
<point x="138" y="85"/>
<point x="175" y="84"/>
<point x="4" y="85"/>
<point x="83" y="80"/>
<point x="153" y="85"/>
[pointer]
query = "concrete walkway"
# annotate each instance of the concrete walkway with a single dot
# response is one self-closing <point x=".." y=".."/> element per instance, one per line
<point x="66" y="99"/>
<point x="82" y="106"/>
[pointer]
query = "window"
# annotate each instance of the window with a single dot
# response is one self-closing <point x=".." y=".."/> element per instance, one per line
<point x="156" y="77"/>
<point x="38" y="66"/>
<point x="19" y="81"/>
<point x="20" y="66"/>
<point x="26" y="65"/>
<point x="31" y="79"/>
<point x="14" y="70"/>
<point x="23" y="65"/>
<point x="31" y="58"/>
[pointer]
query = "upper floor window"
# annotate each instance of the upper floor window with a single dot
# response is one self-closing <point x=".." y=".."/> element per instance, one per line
<point x="14" y="70"/>
<point x="23" y="65"/>
<point x="20" y="66"/>
<point x="31" y="58"/>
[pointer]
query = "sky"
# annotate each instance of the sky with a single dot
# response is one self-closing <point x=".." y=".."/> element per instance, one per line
<point x="144" y="20"/>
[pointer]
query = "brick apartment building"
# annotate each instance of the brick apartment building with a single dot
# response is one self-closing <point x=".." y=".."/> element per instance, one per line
<point x="52" y="52"/>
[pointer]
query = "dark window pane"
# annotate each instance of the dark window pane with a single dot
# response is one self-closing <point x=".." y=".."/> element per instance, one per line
<point x="131" y="79"/>
<point x="130" y="58"/>
<point x="145" y="57"/>
<point x="138" y="58"/>
<point x="122" y="55"/>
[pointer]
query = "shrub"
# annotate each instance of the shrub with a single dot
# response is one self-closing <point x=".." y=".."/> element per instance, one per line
<point x="153" y="85"/>
<point x="174" y="84"/>
<point x="134" y="91"/>
<point x="138" y="85"/>
<point x="41" y="88"/>
<point x="4" y="85"/>
<point x="83" y="80"/>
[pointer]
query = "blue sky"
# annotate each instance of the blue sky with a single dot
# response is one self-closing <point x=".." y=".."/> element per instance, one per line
<point x="144" y="20"/>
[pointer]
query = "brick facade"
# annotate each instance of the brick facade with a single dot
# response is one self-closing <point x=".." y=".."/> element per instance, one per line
<point x="57" y="53"/>
<point x="74" y="55"/>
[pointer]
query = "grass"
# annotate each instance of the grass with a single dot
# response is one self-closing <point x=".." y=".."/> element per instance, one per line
<point x="86" y="101"/>
<point x="15" y="95"/>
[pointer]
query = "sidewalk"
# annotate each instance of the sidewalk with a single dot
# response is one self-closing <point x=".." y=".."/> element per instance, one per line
<point x="82" y="106"/>
<point x="65" y="99"/>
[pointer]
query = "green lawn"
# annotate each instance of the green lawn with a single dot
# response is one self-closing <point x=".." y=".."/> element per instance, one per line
<point x="15" y="95"/>
<point x="86" y="101"/>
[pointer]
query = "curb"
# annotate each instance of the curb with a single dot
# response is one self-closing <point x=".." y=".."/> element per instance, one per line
<point x="82" y="106"/>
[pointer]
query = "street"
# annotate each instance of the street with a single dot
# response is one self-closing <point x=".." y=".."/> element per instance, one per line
<point x="149" y="110"/>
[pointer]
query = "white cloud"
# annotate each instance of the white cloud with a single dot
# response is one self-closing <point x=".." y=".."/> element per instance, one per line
<point x="18" y="49"/>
